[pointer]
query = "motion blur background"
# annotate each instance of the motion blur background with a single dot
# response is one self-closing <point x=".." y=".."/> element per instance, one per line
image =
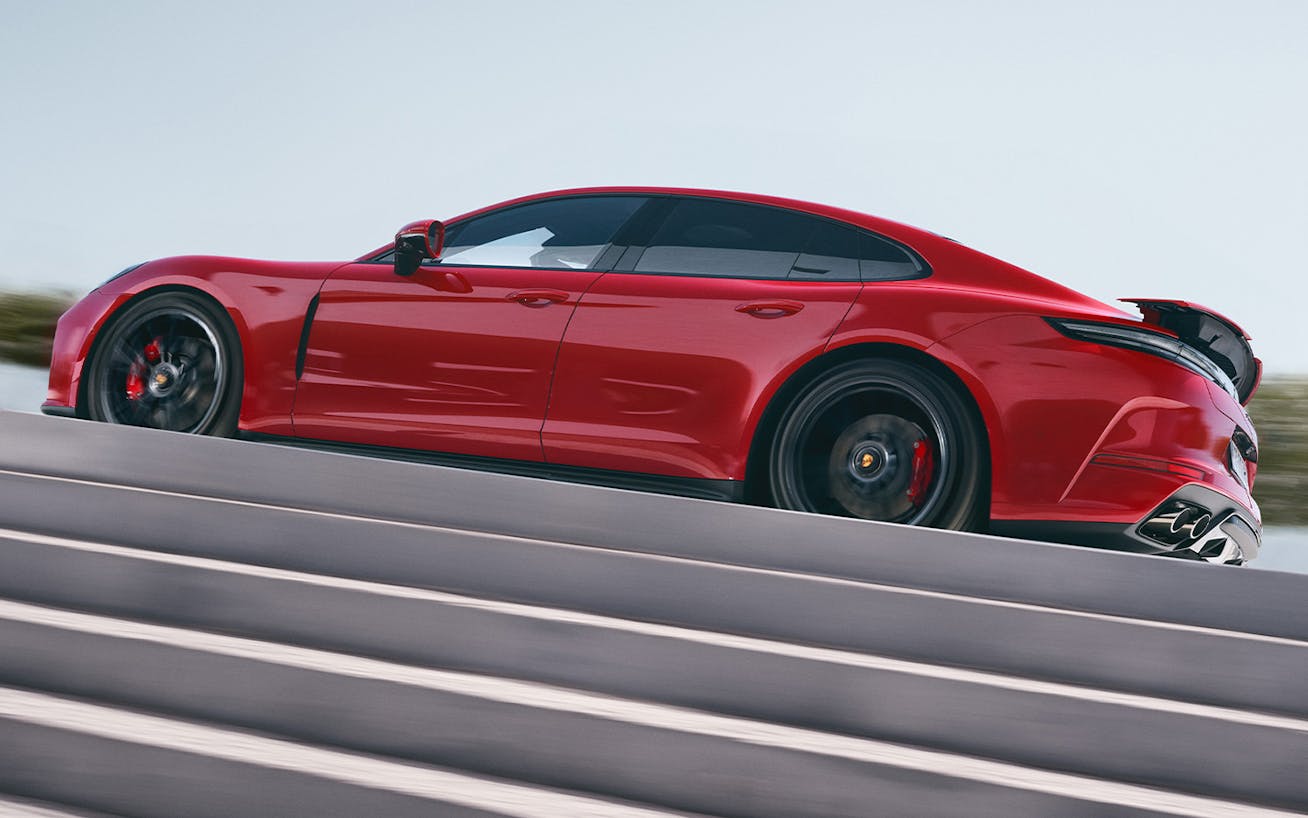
<point x="1125" y="149"/>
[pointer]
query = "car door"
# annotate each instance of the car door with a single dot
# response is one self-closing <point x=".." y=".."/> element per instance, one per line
<point x="666" y="361"/>
<point x="458" y="357"/>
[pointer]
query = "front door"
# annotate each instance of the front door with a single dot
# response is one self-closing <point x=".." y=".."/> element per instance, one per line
<point x="458" y="357"/>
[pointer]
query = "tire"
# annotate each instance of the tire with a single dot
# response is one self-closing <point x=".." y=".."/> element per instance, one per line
<point x="169" y="361"/>
<point x="882" y="439"/>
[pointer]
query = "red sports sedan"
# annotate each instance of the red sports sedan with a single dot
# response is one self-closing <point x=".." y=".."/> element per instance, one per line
<point x="712" y="344"/>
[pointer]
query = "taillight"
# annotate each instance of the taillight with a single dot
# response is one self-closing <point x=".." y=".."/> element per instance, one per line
<point x="1148" y="341"/>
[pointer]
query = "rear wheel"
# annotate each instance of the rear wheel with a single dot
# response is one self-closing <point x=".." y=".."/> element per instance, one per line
<point x="881" y="440"/>
<point x="169" y="361"/>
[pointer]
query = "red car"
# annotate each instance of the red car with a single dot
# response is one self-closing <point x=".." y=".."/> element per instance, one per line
<point x="712" y="344"/>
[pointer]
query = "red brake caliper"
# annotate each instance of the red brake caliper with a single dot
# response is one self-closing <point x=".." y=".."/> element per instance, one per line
<point x="924" y="465"/>
<point x="135" y="383"/>
<point x="136" y="375"/>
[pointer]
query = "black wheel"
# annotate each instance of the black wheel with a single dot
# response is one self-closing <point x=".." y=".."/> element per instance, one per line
<point x="169" y="361"/>
<point x="881" y="440"/>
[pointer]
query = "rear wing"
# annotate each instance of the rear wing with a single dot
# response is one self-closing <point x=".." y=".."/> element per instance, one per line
<point x="1217" y="337"/>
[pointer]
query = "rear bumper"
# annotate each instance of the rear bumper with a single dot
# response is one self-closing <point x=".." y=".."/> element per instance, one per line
<point x="1231" y="533"/>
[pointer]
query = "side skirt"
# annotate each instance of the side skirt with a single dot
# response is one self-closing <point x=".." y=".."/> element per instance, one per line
<point x="732" y="491"/>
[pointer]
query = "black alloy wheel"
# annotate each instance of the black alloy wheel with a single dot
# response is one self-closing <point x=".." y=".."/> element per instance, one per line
<point x="169" y="361"/>
<point x="882" y="439"/>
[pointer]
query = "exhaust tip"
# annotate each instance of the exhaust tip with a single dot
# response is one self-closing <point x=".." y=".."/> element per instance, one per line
<point x="1179" y="525"/>
<point x="1191" y="523"/>
<point x="1181" y="520"/>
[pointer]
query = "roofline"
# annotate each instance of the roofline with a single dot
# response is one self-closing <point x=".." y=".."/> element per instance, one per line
<point x="908" y="234"/>
<point x="917" y="239"/>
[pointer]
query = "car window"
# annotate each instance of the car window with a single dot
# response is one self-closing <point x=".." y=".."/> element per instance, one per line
<point x="831" y="254"/>
<point x="885" y="261"/>
<point x="728" y="239"/>
<point x="568" y="233"/>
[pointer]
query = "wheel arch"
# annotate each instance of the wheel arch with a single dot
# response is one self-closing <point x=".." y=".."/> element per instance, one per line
<point x="757" y="490"/>
<point x="238" y="326"/>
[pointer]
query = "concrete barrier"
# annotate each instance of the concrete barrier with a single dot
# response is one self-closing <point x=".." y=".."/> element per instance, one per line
<point x="549" y="649"/>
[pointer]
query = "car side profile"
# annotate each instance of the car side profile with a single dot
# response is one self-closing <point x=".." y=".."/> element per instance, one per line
<point x="712" y="344"/>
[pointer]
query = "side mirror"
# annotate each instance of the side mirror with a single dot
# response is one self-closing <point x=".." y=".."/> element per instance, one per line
<point x="417" y="241"/>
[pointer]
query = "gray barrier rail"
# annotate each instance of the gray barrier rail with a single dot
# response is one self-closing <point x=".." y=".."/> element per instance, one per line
<point x="250" y="629"/>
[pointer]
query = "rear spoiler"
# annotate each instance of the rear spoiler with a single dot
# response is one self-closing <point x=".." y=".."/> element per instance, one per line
<point x="1217" y="337"/>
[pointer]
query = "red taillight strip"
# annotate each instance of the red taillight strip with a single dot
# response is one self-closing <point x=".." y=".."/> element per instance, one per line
<point x="1128" y="461"/>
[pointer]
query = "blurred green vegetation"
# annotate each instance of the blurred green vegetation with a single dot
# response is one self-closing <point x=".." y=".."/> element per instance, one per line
<point x="27" y="325"/>
<point x="1280" y="409"/>
<point x="1280" y="414"/>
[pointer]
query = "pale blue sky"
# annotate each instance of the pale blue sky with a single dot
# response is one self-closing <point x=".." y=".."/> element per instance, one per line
<point x="1126" y="149"/>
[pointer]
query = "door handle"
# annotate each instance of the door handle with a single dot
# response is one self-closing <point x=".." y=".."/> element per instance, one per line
<point x="538" y="297"/>
<point x="770" y="309"/>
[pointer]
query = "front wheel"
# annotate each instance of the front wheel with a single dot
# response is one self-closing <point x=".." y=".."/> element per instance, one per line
<point x="169" y="361"/>
<point x="883" y="440"/>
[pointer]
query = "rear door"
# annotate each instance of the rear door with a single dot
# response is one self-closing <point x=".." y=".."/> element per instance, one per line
<point x="458" y="357"/>
<point x="666" y="359"/>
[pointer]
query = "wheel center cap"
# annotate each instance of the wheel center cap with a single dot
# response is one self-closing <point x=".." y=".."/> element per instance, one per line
<point x="868" y="460"/>
<point x="163" y="378"/>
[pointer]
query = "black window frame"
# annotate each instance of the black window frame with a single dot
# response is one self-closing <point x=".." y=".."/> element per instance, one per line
<point x="631" y="240"/>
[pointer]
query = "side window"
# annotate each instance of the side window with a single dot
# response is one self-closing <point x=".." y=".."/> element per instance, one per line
<point x="559" y="233"/>
<point x="727" y="239"/>
<point x="832" y="254"/>
<point x="883" y="261"/>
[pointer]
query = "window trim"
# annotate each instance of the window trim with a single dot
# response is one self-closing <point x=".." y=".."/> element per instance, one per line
<point x="640" y="228"/>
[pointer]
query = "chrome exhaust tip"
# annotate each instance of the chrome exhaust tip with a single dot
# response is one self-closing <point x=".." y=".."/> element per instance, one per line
<point x="1182" y="521"/>
<point x="1163" y="526"/>
<point x="1179" y="526"/>
<point x="1199" y="526"/>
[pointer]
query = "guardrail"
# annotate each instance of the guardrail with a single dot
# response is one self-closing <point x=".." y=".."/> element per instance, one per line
<point x="210" y="627"/>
